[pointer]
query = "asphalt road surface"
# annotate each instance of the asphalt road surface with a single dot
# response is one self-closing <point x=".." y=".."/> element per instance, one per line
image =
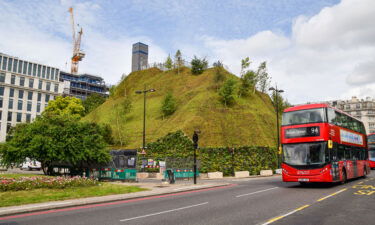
<point x="246" y="201"/>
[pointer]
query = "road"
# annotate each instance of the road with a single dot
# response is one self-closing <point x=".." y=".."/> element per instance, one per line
<point x="246" y="201"/>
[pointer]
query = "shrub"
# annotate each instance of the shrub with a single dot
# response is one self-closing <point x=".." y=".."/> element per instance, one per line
<point x="28" y="183"/>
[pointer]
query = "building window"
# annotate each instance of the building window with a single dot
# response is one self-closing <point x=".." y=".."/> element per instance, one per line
<point x="20" y="94"/>
<point x="1" y="59"/>
<point x="5" y="60"/>
<point x="29" y="69"/>
<point x="13" y="79"/>
<point x="20" y="66"/>
<point x="56" y="87"/>
<point x="20" y="104"/>
<point x="44" y="72"/>
<point x="48" y="72"/>
<point x="47" y="98"/>
<point x="22" y="81"/>
<point x="1" y="102"/>
<point x="1" y="115"/>
<point x="31" y="83"/>
<point x="9" y="125"/>
<point x="24" y="67"/>
<point x="48" y="86"/>
<point x="11" y="92"/>
<point x="10" y="63"/>
<point x="19" y="117"/>
<point x="29" y="106"/>
<point x="40" y="85"/>
<point x="15" y="64"/>
<point x="28" y="118"/>
<point x="29" y="95"/>
<point x="52" y="73"/>
<point x="39" y="97"/>
<point x="38" y="107"/>
<point x="9" y="116"/>
<point x="10" y="103"/>
<point x="358" y="106"/>
<point x="39" y="70"/>
<point x="2" y="77"/>
<point x="34" y="70"/>
<point x="1" y="91"/>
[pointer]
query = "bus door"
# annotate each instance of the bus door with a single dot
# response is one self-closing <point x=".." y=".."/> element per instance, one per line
<point x="335" y="163"/>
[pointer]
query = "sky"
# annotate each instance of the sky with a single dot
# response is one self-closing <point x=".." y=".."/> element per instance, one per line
<point x="316" y="50"/>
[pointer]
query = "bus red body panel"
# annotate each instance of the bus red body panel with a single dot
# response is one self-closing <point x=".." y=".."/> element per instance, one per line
<point x="321" y="144"/>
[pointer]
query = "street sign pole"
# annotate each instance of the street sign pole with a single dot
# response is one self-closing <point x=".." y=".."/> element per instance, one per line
<point x="195" y="141"/>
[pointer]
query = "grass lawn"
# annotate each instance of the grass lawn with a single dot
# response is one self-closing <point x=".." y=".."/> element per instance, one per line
<point x="13" y="198"/>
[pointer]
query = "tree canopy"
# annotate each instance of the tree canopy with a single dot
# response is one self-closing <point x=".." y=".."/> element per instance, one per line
<point x="65" y="106"/>
<point x="169" y="105"/>
<point x="57" y="139"/>
<point x="198" y="65"/>
<point x="92" y="102"/>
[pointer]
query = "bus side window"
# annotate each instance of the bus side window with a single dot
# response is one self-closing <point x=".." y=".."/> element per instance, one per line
<point x="348" y="153"/>
<point x="331" y="116"/>
<point x="340" y="152"/>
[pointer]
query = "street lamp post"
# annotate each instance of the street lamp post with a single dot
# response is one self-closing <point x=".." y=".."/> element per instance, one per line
<point x="144" y="92"/>
<point x="276" y="93"/>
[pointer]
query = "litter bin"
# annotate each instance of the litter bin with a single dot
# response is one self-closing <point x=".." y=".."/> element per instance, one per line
<point x="171" y="176"/>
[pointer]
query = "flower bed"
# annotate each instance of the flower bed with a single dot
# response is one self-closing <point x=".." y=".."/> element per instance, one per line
<point x="28" y="183"/>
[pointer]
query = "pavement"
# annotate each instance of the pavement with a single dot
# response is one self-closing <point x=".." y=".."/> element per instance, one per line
<point x="258" y="201"/>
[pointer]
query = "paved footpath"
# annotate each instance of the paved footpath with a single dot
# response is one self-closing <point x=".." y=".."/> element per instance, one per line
<point x="259" y="201"/>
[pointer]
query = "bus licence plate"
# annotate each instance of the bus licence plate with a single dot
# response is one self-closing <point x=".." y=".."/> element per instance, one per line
<point x="303" y="179"/>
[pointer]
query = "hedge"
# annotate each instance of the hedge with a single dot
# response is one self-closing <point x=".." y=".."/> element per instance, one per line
<point x="225" y="159"/>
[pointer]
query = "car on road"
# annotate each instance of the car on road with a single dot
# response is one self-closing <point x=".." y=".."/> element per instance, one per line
<point x="31" y="165"/>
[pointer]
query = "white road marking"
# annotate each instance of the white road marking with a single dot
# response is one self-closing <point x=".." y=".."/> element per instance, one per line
<point x="194" y="187"/>
<point x="256" y="192"/>
<point x="167" y="211"/>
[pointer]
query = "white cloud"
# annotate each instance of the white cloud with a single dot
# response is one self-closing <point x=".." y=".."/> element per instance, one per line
<point x="42" y="33"/>
<point x="323" y="58"/>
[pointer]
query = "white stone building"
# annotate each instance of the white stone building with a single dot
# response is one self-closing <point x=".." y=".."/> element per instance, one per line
<point x="25" y="89"/>
<point x="363" y="109"/>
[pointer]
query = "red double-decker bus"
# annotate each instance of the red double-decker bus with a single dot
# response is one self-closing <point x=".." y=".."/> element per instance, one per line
<point x="322" y="144"/>
<point x="371" y="150"/>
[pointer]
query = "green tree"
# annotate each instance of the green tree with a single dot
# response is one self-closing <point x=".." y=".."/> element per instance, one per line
<point x="169" y="105"/>
<point x="245" y="63"/>
<point x="218" y="64"/>
<point x="119" y="115"/>
<point x="92" y="102"/>
<point x="248" y="81"/>
<point x="278" y="100"/>
<point x="65" y="106"/>
<point x="198" y="65"/>
<point x="264" y="79"/>
<point x="168" y="63"/>
<point x="219" y="77"/>
<point x="226" y="92"/>
<point x="57" y="139"/>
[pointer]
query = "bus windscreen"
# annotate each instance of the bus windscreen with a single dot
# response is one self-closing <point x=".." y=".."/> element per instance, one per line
<point x="304" y="117"/>
<point x="304" y="153"/>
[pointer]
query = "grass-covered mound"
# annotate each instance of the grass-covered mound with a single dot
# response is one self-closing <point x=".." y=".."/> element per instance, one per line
<point x="250" y="121"/>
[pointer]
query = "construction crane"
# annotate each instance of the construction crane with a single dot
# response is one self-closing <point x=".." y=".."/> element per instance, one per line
<point x="78" y="54"/>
